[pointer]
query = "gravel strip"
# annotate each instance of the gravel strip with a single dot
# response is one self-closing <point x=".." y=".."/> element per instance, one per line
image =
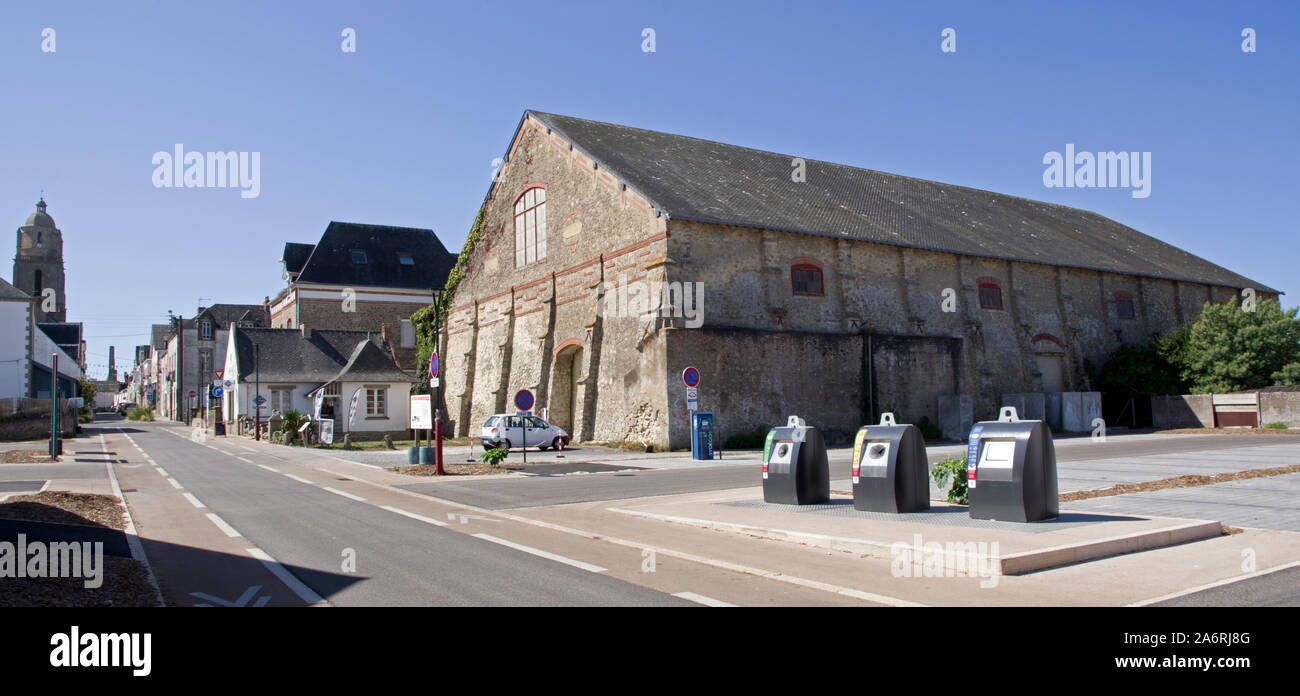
<point x="125" y="584"/>
<point x="25" y="456"/>
<point x="66" y="508"/>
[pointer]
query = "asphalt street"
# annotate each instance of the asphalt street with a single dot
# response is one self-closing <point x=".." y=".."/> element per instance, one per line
<point x="399" y="560"/>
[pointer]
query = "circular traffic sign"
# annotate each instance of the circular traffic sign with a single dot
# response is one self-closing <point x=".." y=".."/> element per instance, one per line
<point x="691" y="376"/>
<point x="523" y="400"/>
<point x="433" y="364"/>
<point x="193" y="393"/>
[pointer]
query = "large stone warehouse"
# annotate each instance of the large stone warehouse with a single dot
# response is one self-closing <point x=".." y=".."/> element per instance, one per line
<point x="833" y="296"/>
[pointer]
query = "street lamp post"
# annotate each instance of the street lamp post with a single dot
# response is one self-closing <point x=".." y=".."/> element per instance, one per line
<point x="257" y="392"/>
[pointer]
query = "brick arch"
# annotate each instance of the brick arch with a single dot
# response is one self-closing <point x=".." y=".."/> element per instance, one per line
<point x="530" y="185"/>
<point x="1124" y="296"/>
<point x="572" y="342"/>
<point x="1048" y="337"/>
<point x="806" y="261"/>
<point x="989" y="282"/>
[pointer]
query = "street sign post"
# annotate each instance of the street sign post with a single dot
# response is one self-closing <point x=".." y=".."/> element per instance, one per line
<point x="691" y="378"/>
<point x="524" y="402"/>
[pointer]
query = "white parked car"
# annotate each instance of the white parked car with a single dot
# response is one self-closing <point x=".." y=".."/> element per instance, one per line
<point x="521" y="430"/>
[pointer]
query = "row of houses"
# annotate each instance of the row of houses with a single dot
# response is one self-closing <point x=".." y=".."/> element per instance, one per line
<point x="338" y="328"/>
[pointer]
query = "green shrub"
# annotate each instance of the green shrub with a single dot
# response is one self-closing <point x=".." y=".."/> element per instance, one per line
<point x="955" y="469"/>
<point x="289" y="424"/>
<point x="1276" y="426"/>
<point x="494" y="457"/>
<point x="140" y="413"/>
<point x="750" y="440"/>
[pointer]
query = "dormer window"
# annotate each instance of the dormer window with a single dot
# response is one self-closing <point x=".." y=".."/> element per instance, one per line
<point x="358" y="256"/>
<point x="205" y="330"/>
<point x="406" y="259"/>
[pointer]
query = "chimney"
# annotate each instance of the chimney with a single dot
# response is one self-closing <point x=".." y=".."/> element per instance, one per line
<point x="385" y="332"/>
<point x="266" y="304"/>
<point x="306" y="330"/>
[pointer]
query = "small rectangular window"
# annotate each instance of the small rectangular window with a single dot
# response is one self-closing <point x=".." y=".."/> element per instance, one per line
<point x="376" y="402"/>
<point x="408" y="334"/>
<point x="406" y="259"/>
<point x="358" y="256"/>
<point x="1124" y="308"/>
<point x="990" y="297"/>
<point x="806" y="280"/>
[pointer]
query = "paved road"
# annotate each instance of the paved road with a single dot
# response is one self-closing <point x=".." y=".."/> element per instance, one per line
<point x="1280" y="589"/>
<point x="1267" y="503"/>
<point x="400" y="561"/>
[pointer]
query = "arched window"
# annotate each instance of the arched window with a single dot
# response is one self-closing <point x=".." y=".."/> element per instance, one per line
<point x="530" y="227"/>
<point x="990" y="293"/>
<point x="806" y="278"/>
<point x="1124" y="304"/>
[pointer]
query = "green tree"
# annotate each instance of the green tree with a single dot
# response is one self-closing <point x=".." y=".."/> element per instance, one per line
<point x="1230" y="349"/>
<point x="1147" y="369"/>
<point x="422" y="319"/>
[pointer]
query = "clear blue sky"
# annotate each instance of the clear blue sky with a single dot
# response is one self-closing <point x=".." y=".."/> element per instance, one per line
<point x="403" y="132"/>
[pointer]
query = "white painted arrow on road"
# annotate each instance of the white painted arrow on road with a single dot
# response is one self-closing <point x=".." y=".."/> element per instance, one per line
<point x="241" y="602"/>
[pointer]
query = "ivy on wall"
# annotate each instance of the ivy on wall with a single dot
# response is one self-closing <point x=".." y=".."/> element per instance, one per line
<point x="422" y="319"/>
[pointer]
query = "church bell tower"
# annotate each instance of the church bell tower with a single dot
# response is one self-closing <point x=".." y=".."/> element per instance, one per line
<point x="38" y="265"/>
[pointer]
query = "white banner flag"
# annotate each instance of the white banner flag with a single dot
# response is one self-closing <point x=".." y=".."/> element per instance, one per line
<point x="352" y="409"/>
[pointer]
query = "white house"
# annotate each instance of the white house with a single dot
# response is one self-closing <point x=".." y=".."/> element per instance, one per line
<point x="288" y="367"/>
<point x="16" y="324"/>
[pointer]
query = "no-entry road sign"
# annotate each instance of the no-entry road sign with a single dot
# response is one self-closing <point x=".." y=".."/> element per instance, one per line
<point x="524" y="400"/>
<point x="691" y="377"/>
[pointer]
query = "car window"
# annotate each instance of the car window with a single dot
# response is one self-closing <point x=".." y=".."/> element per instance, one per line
<point x="513" y="422"/>
<point x="537" y="423"/>
<point x="491" y="421"/>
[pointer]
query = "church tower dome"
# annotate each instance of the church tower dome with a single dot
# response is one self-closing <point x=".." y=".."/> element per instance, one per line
<point x="40" y="218"/>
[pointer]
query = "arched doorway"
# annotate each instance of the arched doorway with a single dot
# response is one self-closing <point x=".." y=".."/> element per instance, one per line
<point x="564" y="408"/>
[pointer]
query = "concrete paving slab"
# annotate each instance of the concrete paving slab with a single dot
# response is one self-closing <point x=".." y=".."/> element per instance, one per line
<point x="1267" y="503"/>
<point x="1009" y="547"/>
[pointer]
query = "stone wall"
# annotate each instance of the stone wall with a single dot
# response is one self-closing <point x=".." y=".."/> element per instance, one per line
<point x="538" y="326"/>
<point x="751" y="379"/>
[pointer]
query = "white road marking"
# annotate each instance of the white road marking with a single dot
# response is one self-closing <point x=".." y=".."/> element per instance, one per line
<point x="174" y="483"/>
<point x="1212" y="585"/>
<point x="132" y="539"/>
<point x="414" y="516"/>
<point x="193" y="501"/>
<point x="242" y="601"/>
<point x="305" y="593"/>
<point x="543" y="554"/>
<point x="247" y="449"/>
<point x="268" y="468"/>
<point x="335" y="491"/>
<point x="701" y="599"/>
<point x="222" y="525"/>
<point x="161" y="470"/>
<point x="242" y="459"/>
<point x="300" y="479"/>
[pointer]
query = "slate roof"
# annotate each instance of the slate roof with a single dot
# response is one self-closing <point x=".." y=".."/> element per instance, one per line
<point x="62" y="333"/>
<point x="296" y="255"/>
<point x="223" y="315"/>
<point x="693" y="179"/>
<point x="158" y="335"/>
<point x="9" y="292"/>
<point x="286" y="356"/>
<point x="331" y="262"/>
